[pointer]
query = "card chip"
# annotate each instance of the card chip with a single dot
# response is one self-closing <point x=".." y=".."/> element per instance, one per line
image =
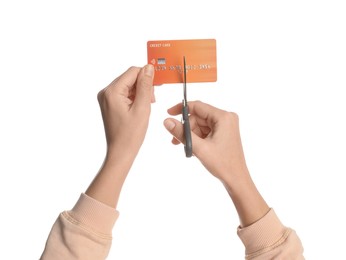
<point x="161" y="61"/>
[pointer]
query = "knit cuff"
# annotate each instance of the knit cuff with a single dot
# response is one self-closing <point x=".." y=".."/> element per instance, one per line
<point x="263" y="235"/>
<point x="94" y="214"/>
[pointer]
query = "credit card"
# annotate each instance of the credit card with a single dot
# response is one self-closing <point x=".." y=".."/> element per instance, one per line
<point x="167" y="58"/>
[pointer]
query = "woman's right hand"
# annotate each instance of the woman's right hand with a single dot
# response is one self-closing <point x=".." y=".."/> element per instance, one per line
<point x="216" y="143"/>
<point x="215" y="139"/>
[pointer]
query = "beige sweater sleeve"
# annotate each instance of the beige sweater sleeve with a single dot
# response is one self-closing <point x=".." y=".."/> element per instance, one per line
<point x="85" y="232"/>
<point x="269" y="239"/>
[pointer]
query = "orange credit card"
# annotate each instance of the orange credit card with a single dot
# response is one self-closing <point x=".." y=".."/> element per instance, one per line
<point x="167" y="58"/>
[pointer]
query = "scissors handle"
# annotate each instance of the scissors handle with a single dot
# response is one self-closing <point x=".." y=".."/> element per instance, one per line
<point x="187" y="131"/>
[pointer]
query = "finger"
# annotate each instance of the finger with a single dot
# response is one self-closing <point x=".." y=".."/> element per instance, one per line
<point x="126" y="80"/>
<point x="175" y="141"/>
<point x="153" y="98"/>
<point x="177" y="130"/>
<point x="203" y="110"/>
<point x="122" y="85"/>
<point x="199" y="127"/>
<point x="194" y="126"/>
<point x="200" y="130"/>
<point x="197" y="108"/>
<point x="205" y="114"/>
<point x="200" y="119"/>
<point x="144" y="87"/>
<point x="175" y="110"/>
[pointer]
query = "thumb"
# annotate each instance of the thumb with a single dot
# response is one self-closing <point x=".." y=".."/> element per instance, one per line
<point x="177" y="130"/>
<point x="144" y="87"/>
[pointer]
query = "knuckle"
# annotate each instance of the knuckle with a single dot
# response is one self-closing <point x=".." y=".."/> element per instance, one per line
<point x="105" y="96"/>
<point x="194" y="104"/>
<point x="100" y="95"/>
<point x="133" y="68"/>
<point x="232" y="117"/>
<point x="229" y="117"/>
<point x="198" y="102"/>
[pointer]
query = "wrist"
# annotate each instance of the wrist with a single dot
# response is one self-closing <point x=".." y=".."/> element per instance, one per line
<point x="234" y="177"/>
<point x="247" y="200"/>
<point x="117" y="165"/>
<point x="120" y="155"/>
<point x="107" y="184"/>
<point x="238" y="187"/>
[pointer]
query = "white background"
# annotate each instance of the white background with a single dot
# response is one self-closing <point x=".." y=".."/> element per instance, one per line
<point x="281" y="67"/>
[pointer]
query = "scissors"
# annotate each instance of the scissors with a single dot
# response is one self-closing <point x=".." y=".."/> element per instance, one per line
<point x="186" y="121"/>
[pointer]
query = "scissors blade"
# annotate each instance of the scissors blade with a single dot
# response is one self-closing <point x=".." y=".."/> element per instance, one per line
<point x="185" y="99"/>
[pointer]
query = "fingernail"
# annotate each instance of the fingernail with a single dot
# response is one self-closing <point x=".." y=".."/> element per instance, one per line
<point x="149" y="70"/>
<point x="169" y="125"/>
